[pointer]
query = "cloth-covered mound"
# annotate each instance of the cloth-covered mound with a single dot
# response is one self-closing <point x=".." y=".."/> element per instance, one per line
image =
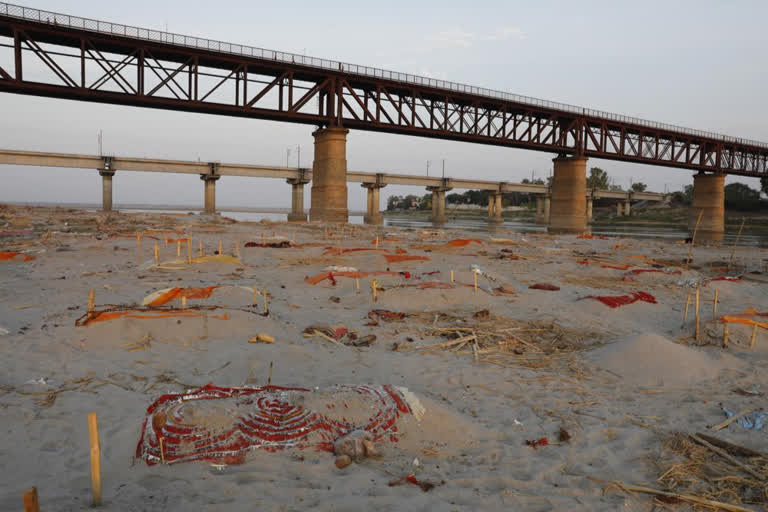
<point x="222" y="424"/>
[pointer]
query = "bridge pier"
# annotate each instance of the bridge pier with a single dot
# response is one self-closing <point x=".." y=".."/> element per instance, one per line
<point x="709" y="200"/>
<point x="106" y="189"/>
<point x="373" y="211"/>
<point x="438" y="204"/>
<point x="543" y="206"/>
<point x="495" y="207"/>
<point x="209" y="183"/>
<point x="569" y="188"/>
<point x="329" y="176"/>
<point x="297" y="200"/>
<point x="619" y="209"/>
<point x="627" y="208"/>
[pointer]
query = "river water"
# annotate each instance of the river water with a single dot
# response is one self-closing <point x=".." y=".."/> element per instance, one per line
<point x="749" y="238"/>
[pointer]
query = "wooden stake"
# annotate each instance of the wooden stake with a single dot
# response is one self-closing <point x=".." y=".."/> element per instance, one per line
<point x="200" y="251"/>
<point x="725" y="335"/>
<point x="93" y="431"/>
<point x="374" y="286"/>
<point x="269" y="377"/>
<point x="685" y="314"/>
<point x="377" y="241"/>
<point x="714" y="303"/>
<point x="452" y="280"/>
<point x="474" y="274"/>
<point x="697" y="314"/>
<point x="162" y="449"/>
<point x="138" y="239"/>
<point x="189" y="251"/>
<point x="735" y="243"/>
<point x="266" y="304"/>
<point x="183" y="302"/>
<point x="31" y="503"/>
<point x="91" y="301"/>
<point x="220" y="248"/>
<point x="753" y="337"/>
<point x="693" y="239"/>
<point x="357" y="284"/>
<point x="157" y="254"/>
<point x="255" y="296"/>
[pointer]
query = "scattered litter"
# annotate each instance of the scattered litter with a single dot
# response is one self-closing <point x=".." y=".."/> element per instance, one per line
<point x="331" y="276"/>
<point x="221" y="425"/>
<point x="335" y="332"/>
<point x="590" y="236"/>
<point x="42" y="381"/>
<point x="563" y="436"/>
<point x="411" y="479"/>
<point x="387" y="316"/>
<point x="336" y="269"/>
<point x="614" y="301"/>
<point x="617" y="267"/>
<point x="357" y="445"/>
<point x="4" y="331"/>
<point x="754" y="420"/>
<point x="582" y="262"/>
<point x="283" y="244"/>
<point x="726" y="278"/>
<point x="535" y="443"/>
<point x="261" y="338"/>
<point x="504" y="289"/>
<point x="659" y="270"/>
<point x="544" y="286"/>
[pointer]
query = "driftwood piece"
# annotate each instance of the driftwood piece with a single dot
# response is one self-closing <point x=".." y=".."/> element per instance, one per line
<point x="731" y="448"/>
<point x="684" y="497"/>
<point x="728" y="457"/>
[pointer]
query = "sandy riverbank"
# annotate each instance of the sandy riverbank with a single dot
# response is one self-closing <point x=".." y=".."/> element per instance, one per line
<point x="620" y="381"/>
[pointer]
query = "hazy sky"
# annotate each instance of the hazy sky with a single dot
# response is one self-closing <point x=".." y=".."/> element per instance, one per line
<point x="699" y="64"/>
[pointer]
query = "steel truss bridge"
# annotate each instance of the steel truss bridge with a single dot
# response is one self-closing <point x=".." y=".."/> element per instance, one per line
<point x="56" y="55"/>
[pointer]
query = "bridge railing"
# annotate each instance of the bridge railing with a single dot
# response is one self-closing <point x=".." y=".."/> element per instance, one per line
<point x="105" y="27"/>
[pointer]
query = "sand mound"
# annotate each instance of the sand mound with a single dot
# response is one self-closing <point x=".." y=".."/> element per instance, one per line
<point x="653" y="360"/>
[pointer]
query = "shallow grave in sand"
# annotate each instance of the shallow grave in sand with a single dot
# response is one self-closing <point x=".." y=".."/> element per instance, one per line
<point x="498" y="368"/>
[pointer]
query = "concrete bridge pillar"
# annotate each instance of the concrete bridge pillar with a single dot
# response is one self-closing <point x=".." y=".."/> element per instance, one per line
<point x="542" y="209"/>
<point x="438" y="204"/>
<point x="329" y="176"/>
<point x="494" y="207"/>
<point x="297" y="200"/>
<point x="373" y="211"/>
<point x="619" y="209"/>
<point x="209" y="183"/>
<point x="569" y="188"/>
<point x="709" y="200"/>
<point x="589" y="209"/>
<point x="547" y="208"/>
<point x="106" y="189"/>
<point x="627" y="208"/>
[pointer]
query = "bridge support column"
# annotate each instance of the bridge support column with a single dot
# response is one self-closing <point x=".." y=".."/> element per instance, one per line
<point x="619" y="209"/>
<point x="438" y="204"/>
<point x="709" y="200"/>
<point x="547" y="209"/>
<point x="373" y="211"/>
<point x="589" y="209"/>
<point x="627" y="208"/>
<point x="569" y="188"/>
<point x="209" y="182"/>
<point x="106" y="189"/>
<point x="329" y="176"/>
<point x="494" y="207"/>
<point x="297" y="200"/>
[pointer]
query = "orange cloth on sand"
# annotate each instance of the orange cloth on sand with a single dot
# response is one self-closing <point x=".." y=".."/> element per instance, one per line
<point x="174" y="240"/>
<point x="106" y="316"/>
<point x="396" y="258"/>
<point x="177" y="293"/>
<point x="744" y="318"/>
<point x="462" y="242"/>
<point x="15" y="256"/>
<point x="319" y="278"/>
